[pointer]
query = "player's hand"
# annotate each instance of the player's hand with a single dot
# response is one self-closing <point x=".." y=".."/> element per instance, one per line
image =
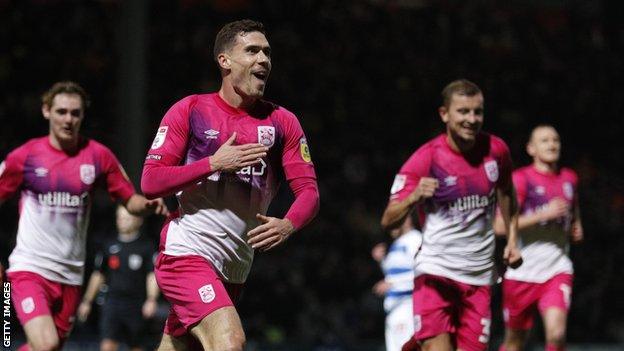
<point x="270" y="233"/>
<point x="231" y="158"/>
<point x="381" y="287"/>
<point x="379" y="251"/>
<point x="157" y="206"/>
<point x="512" y="256"/>
<point x="425" y="189"/>
<point x="149" y="308"/>
<point x="84" y="310"/>
<point x="577" y="234"/>
<point x="556" y="208"/>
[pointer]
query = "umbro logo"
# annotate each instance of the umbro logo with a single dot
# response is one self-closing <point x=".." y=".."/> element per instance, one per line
<point x="211" y="134"/>
<point x="450" y="180"/>
<point x="41" y="172"/>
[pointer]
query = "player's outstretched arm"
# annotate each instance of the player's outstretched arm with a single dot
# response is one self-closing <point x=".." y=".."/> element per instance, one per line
<point x="509" y="212"/>
<point x="395" y="212"/>
<point x="95" y="282"/>
<point x="139" y="205"/>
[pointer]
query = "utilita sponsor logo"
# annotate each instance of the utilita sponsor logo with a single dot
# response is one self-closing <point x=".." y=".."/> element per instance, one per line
<point x="469" y="202"/>
<point x="63" y="199"/>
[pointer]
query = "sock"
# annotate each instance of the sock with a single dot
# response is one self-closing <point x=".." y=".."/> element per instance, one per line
<point x="551" y="347"/>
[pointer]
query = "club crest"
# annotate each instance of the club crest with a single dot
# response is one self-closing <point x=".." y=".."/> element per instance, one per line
<point x="207" y="293"/>
<point x="87" y="174"/>
<point x="266" y="135"/>
<point x="491" y="170"/>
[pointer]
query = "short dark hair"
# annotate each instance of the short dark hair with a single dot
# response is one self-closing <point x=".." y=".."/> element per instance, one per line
<point x="227" y="35"/>
<point x="459" y="87"/>
<point x="65" y="87"/>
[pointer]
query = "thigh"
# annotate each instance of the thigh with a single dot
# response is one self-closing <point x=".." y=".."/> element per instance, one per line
<point x="193" y="289"/>
<point x="399" y="325"/>
<point x="30" y="296"/>
<point x="220" y="329"/>
<point x="172" y="343"/>
<point x="111" y="325"/>
<point x="433" y="311"/>
<point x="556" y="293"/>
<point x="519" y="303"/>
<point x="65" y="310"/>
<point x="474" y="318"/>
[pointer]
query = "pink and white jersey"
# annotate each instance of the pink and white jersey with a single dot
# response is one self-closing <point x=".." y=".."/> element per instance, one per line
<point x="217" y="211"/>
<point x="544" y="246"/>
<point x="458" y="241"/>
<point x="55" y="203"/>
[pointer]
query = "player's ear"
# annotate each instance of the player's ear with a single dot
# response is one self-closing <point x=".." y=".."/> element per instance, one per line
<point x="443" y="112"/>
<point x="224" y="60"/>
<point x="530" y="149"/>
<point x="45" y="111"/>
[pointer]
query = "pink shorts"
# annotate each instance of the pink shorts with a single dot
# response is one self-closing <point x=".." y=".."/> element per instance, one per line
<point x="443" y="305"/>
<point x="35" y="296"/>
<point x="522" y="299"/>
<point x="193" y="288"/>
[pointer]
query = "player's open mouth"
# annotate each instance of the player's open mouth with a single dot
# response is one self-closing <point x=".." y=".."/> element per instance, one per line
<point x="262" y="75"/>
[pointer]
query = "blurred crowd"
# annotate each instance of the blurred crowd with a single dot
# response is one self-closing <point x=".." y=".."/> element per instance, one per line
<point x="364" y="77"/>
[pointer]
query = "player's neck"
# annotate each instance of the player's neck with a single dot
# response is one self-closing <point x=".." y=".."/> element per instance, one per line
<point x="459" y="145"/>
<point x="545" y="167"/>
<point x="229" y="94"/>
<point x="69" y="146"/>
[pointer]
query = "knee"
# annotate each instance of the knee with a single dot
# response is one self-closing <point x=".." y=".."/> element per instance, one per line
<point x="234" y="342"/>
<point x="513" y="342"/>
<point x="556" y="336"/>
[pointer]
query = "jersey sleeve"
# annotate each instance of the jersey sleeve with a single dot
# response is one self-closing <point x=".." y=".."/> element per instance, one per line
<point x="116" y="180"/>
<point x="12" y="173"/>
<point x="416" y="167"/>
<point x="503" y="156"/>
<point x="162" y="173"/>
<point x="296" y="158"/>
<point x="520" y="183"/>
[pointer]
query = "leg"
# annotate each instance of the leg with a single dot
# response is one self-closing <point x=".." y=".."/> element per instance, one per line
<point x="474" y="317"/>
<point x="441" y="342"/>
<point x="399" y="325"/>
<point x="41" y="334"/>
<point x="220" y="330"/>
<point x="109" y="345"/>
<point x="553" y="306"/>
<point x="519" y="305"/>
<point x="555" y="320"/>
<point x="171" y="343"/>
<point x="433" y="312"/>
<point x="514" y="339"/>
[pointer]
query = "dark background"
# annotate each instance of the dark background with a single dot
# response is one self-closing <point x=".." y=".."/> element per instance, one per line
<point x="364" y="78"/>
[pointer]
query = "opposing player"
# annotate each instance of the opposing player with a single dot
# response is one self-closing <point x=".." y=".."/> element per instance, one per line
<point x="549" y="218"/>
<point x="457" y="178"/>
<point x="57" y="174"/>
<point x="126" y="266"/>
<point x="223" y="155"/>
<point x="397" y="263"/>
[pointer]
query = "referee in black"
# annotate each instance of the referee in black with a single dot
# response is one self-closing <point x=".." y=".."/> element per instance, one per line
<point x="126" y="265"/>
